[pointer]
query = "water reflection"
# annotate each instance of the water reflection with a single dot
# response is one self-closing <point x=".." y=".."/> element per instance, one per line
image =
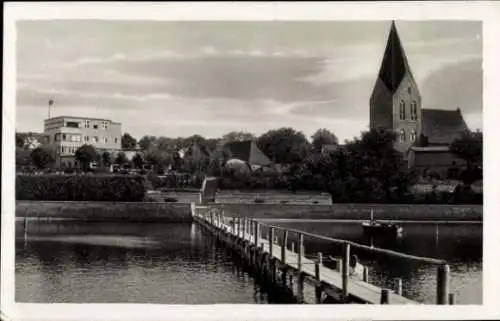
<point x="120" y="263"/>
<point x="459" y="244"/>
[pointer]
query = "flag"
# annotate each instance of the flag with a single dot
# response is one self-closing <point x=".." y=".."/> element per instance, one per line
<point x="51" y="102"/>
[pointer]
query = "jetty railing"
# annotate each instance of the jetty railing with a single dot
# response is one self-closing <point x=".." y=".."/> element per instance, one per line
<point x="279" y="255"/>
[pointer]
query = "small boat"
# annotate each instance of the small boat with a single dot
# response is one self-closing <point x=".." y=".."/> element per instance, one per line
<point x="376" y="228"/>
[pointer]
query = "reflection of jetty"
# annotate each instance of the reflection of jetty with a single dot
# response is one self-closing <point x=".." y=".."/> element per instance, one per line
<point x="275" y="260"/>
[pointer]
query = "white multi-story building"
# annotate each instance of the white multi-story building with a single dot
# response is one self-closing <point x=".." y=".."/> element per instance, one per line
<point x="64" y="134"/>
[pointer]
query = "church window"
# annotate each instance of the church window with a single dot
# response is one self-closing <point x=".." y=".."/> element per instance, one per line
<point x="409" y="90"/>
<point x="413" y="110"/>
<point x="402" y="135"/>
<point x="413" y="136"/>
<point x="402" y="110"/>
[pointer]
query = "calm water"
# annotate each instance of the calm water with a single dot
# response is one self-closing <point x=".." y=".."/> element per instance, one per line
<point x="124" y="262"/>
<point x="459" y="244"/>
<point x="178" y="264"/>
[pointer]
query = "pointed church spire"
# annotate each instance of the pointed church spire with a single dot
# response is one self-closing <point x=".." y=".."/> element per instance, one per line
<point x="394" y="64"/>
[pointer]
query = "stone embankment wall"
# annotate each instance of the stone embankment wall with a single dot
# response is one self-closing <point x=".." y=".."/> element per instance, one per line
<point x="105" y="211"/>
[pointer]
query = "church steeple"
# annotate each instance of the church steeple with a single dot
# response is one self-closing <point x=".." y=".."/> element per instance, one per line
<point x="395" y="103"/>
<point x="394" y="63"/>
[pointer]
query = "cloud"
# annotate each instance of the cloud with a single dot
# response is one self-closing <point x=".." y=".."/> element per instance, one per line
<point x="235" y="77"/>
<point x="176" y="78"/>
<point x="455" y="85"/>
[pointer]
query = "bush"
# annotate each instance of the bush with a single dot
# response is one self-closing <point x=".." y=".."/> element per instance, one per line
<point x="108" y="188"/>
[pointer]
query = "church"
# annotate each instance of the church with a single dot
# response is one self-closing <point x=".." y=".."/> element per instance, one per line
<point x="423" y="135"/>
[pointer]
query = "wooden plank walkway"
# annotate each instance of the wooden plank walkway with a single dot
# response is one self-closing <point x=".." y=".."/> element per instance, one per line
<point x="333" y="283"/>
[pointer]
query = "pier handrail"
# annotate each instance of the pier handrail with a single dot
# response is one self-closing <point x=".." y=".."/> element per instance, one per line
<point x="238" y="229"/>
<point x="360" y="246"/>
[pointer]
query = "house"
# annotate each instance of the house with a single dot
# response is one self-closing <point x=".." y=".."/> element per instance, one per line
<point x="65" y="134"/>
<point x="248" y="154"/>
<point x="435" y="161"/>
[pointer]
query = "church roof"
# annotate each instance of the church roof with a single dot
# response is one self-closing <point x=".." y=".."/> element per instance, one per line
<point x="394" y="63"/>
<point x="442" y="126"/>
<point x="247" y="151"/>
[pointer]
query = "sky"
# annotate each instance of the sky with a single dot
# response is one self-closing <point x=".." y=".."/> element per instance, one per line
<point x="209" y="78"/>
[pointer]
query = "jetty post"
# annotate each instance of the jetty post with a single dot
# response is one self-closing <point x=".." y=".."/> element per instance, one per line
<point x="385" y="296"/>
<point x="317" y="272"/>
<point x="399" y="286"/>
<point x="345" y="269"/>
<point x="443" y="283"/>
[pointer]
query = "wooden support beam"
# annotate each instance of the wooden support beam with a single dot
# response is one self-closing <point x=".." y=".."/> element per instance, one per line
<point x="271" y="241"/>
<point x="345" y="269"/>
<point x="256" y="233"/>
<point x="317" y="272"/>
<point x="283" y="246"/>
<point x="244" y="228"/>
<point x="451" y="299"/>
<point x="300" y="248"/>
<point x="443" y="284"/>
<point x="399" y="286"/>
<point x="385" y="296"/>
<point x="365" y="274"/>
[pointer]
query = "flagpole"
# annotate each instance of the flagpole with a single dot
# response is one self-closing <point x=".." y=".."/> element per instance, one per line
<point x="51" y="102"/>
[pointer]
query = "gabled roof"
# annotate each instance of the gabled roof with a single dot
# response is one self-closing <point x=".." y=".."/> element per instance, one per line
<point x="195" y="150"/>
<point x="442" y="126"/>
<point x="247" y="151"/>
<point x="394" y="63"/>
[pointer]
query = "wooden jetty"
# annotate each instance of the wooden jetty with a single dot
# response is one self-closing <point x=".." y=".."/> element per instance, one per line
<point x="285" y="264"/>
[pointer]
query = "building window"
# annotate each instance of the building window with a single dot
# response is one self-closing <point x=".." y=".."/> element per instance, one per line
<point x="409" y="90"/>
<point x="402" y="135"/>
<point x="116" y="140"/>
<point x="57" y="137"/>
<point x="73" y="124"/>
<point x="87" y="124"/>
<point x="64" y="137"/>
<point x="87" y="138"/>
<point x="96" y="126"/>
<point x="402" y="110"/>
<point x="105" y="139"/>
<point x="95" y="139"/>
<point x="413" y="110"/>
<point x="104" y="125"/>
<point x="76" y="138"/>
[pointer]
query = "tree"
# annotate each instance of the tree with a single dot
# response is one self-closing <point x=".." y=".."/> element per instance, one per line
<point x="323" y="137"/>
<point x="41" y="157"/>
<point x="20" y="137"/>
<point x="148" y="142"/>
<point x="238" y="136"/>
<point x="138" y="160"/>
<point x="128" y="142"/>
<point x="86" y="154"/>
<point x="157" y="158"/>
<point x="107" y="159"/>
<point x="469" y="147"/>
<point x="23" y="158"/>
<point x="121" y="159"/>
<point x="284" y="145"/>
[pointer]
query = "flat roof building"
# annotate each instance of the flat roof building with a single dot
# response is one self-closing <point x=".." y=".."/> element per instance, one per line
<point x="64" y="134"/>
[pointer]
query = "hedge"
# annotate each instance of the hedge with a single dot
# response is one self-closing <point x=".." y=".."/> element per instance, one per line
<point x="80" y="188"/>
